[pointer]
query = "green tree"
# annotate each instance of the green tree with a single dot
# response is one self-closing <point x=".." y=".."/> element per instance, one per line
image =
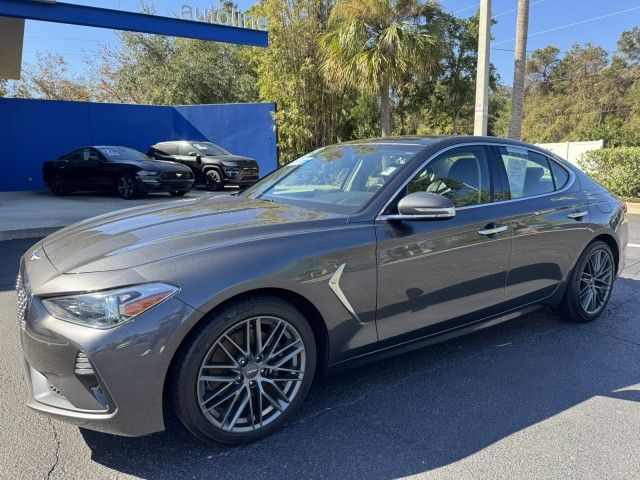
<point x="584" y="95"/>
<point x="50" y="79"/>
<point x="629" y="46"/>
<point x="372" y="44"/>
<point x="309" y="113"/>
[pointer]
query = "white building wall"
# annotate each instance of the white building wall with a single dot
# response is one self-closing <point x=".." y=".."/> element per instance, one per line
<point x="572" y="151"/>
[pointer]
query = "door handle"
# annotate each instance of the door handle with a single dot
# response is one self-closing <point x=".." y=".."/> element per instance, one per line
<point x="578" y="215"/>
<point x="492" y="230"/>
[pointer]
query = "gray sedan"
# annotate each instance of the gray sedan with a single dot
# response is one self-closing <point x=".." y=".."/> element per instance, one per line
<point x="221" y="310"/>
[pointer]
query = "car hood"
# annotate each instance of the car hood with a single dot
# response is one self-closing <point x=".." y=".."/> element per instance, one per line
<point x="135" y="236"/>
<point x="156" y="165"/>
<point x="229" y="158"/>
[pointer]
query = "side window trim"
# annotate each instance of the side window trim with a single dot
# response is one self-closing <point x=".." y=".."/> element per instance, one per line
<point x="489" y="146"/>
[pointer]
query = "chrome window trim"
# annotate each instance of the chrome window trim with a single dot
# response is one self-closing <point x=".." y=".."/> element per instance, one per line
<point x="568" y="185"/>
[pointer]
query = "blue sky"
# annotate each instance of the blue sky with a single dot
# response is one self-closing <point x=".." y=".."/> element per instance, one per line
<point x="547" y="18"/>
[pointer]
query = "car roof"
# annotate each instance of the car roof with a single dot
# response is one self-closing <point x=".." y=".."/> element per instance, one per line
<point x="433" y="140"/>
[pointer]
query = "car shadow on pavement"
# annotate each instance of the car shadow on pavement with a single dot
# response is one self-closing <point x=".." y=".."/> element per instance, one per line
<point x="418" y="411"/>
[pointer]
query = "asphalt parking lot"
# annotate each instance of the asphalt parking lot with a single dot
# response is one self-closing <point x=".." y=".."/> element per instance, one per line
<point x="533" y="398"/>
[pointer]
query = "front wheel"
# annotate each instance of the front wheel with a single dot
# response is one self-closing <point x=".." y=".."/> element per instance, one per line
<point x="590" y="284"/>
<point x="247" y="371"/>
<point x="213" y="180"/>
<point x="127" y="187"/>
<point x="59" y="186"/>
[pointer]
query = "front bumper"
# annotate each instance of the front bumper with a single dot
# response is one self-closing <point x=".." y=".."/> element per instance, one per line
<point x="241" y="176"/>
<point x="106" y="380"/>
<point x="154" y="185"/>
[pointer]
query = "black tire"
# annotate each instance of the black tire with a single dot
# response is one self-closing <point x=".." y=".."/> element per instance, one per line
<point x="187" y="387"/>
<point x="213" y="180"/>
<point x="178" y="193"/>
<point x="572" y="307"/>
<point x="127" y="187"/>
<point x="59" y="186"/>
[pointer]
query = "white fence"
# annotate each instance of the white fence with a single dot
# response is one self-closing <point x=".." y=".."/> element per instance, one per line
<point x="572" y="151"/>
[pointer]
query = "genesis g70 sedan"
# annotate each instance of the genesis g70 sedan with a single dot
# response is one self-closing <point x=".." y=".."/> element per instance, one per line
<point x="221" y="310"/>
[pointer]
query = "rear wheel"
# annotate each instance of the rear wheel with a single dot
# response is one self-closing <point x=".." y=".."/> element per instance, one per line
<point x="59" y="186"/>
<point x="213" y="180"/>
<point x="590" y="284"/>
<point x="247" y="371"/>
<point x="127" y="187"/>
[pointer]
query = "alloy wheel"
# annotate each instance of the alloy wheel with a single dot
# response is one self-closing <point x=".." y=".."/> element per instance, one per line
<point x="214" y="181"/>
<point x="251" y="374"/>
<point x="596" y="281"/>
<point x="126" y="187"/>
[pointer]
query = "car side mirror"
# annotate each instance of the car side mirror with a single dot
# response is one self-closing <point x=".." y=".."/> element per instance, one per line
<point x="425" y="206"/>
<point x="197" y="155"/>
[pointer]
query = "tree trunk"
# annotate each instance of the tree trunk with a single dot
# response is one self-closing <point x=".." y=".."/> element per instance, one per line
<point x="385" y="108"/>
<point x="519" y="70"/>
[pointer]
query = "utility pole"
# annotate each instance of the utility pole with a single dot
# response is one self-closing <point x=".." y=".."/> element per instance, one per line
<point x="482" y="75"/>
<point x="519" y="70"/>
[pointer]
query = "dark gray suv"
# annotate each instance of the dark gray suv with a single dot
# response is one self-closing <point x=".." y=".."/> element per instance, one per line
<point x="221" y="310"/>
<point x="210" y="163"/>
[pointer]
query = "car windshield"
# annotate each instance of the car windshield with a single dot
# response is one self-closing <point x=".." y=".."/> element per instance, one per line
<point x="209" y="148"/>
<point x="340" y="179"/>
<point x="122" y="153"/>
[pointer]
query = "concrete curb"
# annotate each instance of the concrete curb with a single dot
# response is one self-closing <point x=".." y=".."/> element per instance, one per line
<point x="27" y="233"/>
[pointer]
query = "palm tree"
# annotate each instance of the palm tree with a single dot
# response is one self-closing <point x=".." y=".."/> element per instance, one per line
<point x="372" y="44"/>
<point x="519" y="70"/>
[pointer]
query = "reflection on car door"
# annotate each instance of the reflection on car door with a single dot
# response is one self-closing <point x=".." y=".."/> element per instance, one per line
<point x="436" y="274"/>
<point x="77" y="170"/>
<point x="549" y="220"/>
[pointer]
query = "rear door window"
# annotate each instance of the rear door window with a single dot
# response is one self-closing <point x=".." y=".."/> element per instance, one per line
<point x="529" y="173"/>
<point x="168" y="148"/>
<point x="185" y="148"/>
<point x="560" y="175"/>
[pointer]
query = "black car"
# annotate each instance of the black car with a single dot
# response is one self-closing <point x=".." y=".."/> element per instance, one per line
<point x="124" y="169"/>
<point x="210" y="163"/>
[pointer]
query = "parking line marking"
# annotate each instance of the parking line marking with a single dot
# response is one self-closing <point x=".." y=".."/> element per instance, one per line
<point x="633" y="245"/>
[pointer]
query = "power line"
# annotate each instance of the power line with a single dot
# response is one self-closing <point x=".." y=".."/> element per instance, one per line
<point x="496" y="15"/>
<point x="573" y="24"/>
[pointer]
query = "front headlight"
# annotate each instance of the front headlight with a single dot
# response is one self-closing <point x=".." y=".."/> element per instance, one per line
<point x="147" y="173"/>
<point x="108" y="308"/>
<point x="230" y="164"/>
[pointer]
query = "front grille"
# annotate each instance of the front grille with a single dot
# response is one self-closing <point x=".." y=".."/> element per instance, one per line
<point x="251" y="164"/>
<point x="22" y="300"/>
<point x="175" y="176"/>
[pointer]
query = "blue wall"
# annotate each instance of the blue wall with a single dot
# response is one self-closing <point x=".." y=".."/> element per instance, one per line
<point x="32" y="131"/>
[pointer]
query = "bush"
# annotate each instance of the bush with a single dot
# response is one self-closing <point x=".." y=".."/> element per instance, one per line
<point x="617" y="169"/>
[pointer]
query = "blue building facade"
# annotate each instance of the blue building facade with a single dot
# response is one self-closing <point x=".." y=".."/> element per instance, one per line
<point x="33" y="131"/>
